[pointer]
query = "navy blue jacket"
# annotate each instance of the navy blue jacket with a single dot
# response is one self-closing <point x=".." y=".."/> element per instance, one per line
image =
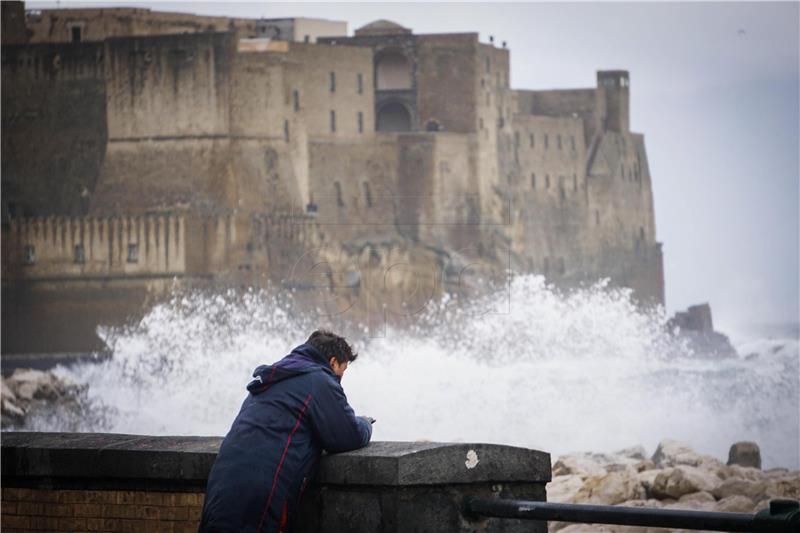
<point x="296" y="408"/>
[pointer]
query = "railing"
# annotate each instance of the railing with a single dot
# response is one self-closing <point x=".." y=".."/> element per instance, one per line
<point x="782" y="515"/>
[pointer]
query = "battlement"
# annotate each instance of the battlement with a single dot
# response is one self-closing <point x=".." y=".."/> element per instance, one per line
<point x="61" y="247"/>
<point x="53" y="61"/>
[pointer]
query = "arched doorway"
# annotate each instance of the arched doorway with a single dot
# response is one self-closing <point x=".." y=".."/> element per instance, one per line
<point x="393" y="117"/>
<point x="392" y="71"/>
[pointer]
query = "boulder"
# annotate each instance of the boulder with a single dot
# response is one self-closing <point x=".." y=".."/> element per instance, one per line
<point x="735" y="504"/>
<point x="6" y="393"/>
<point x="647" y="478"/>
<point x="675" y="453"/>
<point x="742" y="472"/>
<point x="562" y="488"/>
<point x="678" y="481"/>
<point x="755" y="490"/>
<point x="745" y="454"/>
<point x="610" y="489"/>
<point x="786" y="486"/>
<point x="700" y="501"/>
<point x="581" y="464"/>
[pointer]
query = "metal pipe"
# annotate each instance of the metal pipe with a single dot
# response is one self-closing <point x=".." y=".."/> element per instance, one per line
<point x="778" y="522"/>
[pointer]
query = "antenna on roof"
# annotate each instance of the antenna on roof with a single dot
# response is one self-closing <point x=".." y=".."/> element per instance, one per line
<point x="504" y="44"/>
<point x="491" y="39"/>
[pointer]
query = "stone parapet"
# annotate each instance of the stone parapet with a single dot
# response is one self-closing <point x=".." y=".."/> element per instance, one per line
<point x="64" y="481"/>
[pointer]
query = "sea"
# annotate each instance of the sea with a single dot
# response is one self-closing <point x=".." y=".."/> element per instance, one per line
<point x="525" y="365"/>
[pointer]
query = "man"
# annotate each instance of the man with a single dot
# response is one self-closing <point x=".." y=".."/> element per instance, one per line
<point x="296" y="408"/>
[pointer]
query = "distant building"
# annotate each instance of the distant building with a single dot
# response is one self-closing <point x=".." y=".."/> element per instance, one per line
<point x="220" y="150"/>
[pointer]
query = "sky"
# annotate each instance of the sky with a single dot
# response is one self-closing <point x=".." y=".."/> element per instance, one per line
<point x="715" y="91"/>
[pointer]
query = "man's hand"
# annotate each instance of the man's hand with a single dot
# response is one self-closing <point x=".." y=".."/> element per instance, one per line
<point x="369" y="419"/>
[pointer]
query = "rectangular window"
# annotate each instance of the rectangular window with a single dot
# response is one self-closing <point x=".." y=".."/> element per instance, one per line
<point x="572" y="141"/>
<point x="574" y="182"/>
<point x="360" y="83"/>
<point x="133" y="253"/>
<point x="360" y="122"/>
<point x="559" y="141"/>
<point x="75" y="34"/>
<point x="285" y="130"/>
<point x="29" y="255"/>
<point x="367" y="194"/>
<point x="339" y="200"/>
<point x="296" y="100"/>
<point x="332" y="84"/>
<point x="516" y="138"/>
<point x="547" y="181"/>
<point x="546" y="141"/>
<point x="532" y="140"/>
<point x="333" y="121"/>
<point x="80" y="255"/>
<point x="533" y="181"/>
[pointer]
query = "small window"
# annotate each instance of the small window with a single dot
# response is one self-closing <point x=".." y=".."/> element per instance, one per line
<point x="75" y="34"/>
<point x="547" y="181"/>
<point x="532" y="140"/>
<point x="562" y="194"/>
<point x="332" y="82"/>
<point x="367" y="194"/>
<point x="333" y="121"/>
<point x="572" y="141"/>
<point x="133" y="253"/>
<point x="516" y="138"/>
<point x="641" y="233"/>
<point x="488" y="65"/>
<point x="80" y="254"/>
<point x="339" y="200"/>
<point x="533" y="181"/>
<point x="360" y="122"/>
<point x="29" y="255"/>
<point x="574" y="182"/>
<point x="360" y="83"/>
<point x="296" y="100"/>
<point x="306" y="38"/>
<point x="285" y="130"/>
<point x="559" y="141"/>
<point x="546" y="141"/>
<point x="597" y="217"/>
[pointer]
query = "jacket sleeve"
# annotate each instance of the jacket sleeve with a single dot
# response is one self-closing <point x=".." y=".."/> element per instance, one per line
<point x="334" y="421"/>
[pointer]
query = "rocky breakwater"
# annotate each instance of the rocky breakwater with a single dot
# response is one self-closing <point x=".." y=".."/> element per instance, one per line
<point x="674" y="477"/>
<point x="26" y="391"/>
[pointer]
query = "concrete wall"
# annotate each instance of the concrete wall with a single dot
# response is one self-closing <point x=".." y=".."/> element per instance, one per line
<point x="75" y="482"/>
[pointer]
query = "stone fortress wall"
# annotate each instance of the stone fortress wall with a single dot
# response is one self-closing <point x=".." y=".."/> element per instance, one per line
<point x="381" y="148"/>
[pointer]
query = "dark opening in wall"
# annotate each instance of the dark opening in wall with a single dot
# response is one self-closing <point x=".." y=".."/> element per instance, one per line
<point x="360" y="119"/>
<point x="641" y="233"/>
<point x="306" y="38"/>
<point x="559" y="141"/>
<point x="75" y="34"/>
<point x="333" y="121"/>
<point x="533" y="180"/>
<point x="360" y="83"/>
<point x="296" y="100"/>
<point x="332" y="82"/>
<point x="562" y="194"/>
<point x="574" y="182"/>
<point x="572" y="141"/>
<point x="80" y="254"/>
<point x="29" y="255"/>
<point x="532" y="140"/>
<point x="393" y="117"/>
<point x="285" y="130"/>
<point x="367" y="194"/>
<point x="597" y="217"/>
<point x="432" y="125"/>
<point x="547" y="181"/>
<point x="338" y="187"/>
<point x="546" y="141"/>
<point x="133" y="253"/>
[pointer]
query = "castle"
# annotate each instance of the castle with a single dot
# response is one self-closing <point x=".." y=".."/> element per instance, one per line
<point x="142" y="149"/>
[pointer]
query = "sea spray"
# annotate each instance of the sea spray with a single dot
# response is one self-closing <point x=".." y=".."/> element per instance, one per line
<point x="527" y="366"/>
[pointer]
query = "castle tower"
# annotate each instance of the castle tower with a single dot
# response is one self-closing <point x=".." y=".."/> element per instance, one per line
<point x="613" y="94"/>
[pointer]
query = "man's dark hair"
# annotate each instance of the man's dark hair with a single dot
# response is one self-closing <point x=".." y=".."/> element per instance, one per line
<point x="330" y="345"/>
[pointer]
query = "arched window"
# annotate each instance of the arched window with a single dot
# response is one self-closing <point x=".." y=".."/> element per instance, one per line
<point x="394" y="117"/>
<point x="392" y="71"/>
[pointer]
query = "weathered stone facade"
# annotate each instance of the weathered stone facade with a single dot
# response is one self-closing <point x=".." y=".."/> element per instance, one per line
<point x="362" y="153"/>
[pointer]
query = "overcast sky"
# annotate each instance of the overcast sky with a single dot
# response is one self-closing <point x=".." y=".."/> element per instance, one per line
<point x="714" y="89"/>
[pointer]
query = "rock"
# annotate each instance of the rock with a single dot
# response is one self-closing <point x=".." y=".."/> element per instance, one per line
<point x="12" y="412"/>
<point x="653" y="503"/>
<point x="581" y="464"/>
<point x="611" y="489"/>
<point x="647" y="478"/>
<point x="6" y="393"/>
<point x="675" y="482"/>
<point x="755" y="490"/>
<point x="742" y="472"/>
<point x="763" y="504"/>
<point x="735" y="504"/>
<point x="634" y="452"/>
<point x="745" y="454"/>
<point x="702" y="501"/>
<point x="675" y="453"/>
<point x="562" y="488"/>
<point x="786" y="486"/>
<point x="645" y="465"/>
